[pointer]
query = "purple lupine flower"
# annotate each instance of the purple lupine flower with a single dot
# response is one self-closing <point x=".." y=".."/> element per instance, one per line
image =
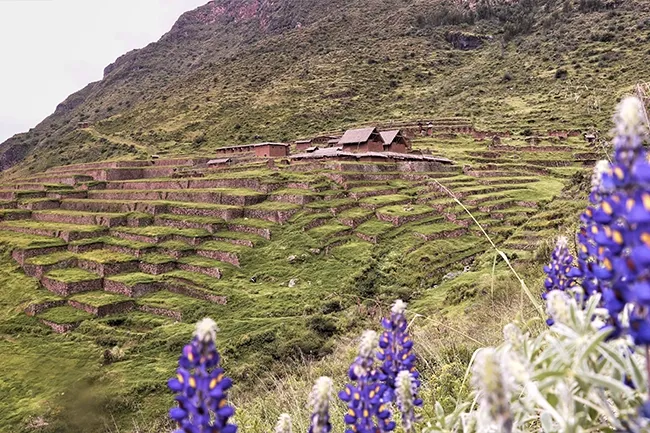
<point x="395" y="349"/>
<point x="615" y="248"/>
<point x="319" y="400"/>
<point x="560" y="272"/>
<point x="367" y="413"/>
<point x="201" y="386"/>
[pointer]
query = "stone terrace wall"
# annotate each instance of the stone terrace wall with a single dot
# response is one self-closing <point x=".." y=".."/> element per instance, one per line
<point x="60" y="328"/>
<point x="34" y="309"/>
<point x="66" y="289"/>
<point x="20" y="255"/>
<point x="176" y="315"/>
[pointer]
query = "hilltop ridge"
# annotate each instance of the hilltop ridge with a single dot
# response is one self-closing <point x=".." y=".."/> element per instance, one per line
<point x="231" y="72"/>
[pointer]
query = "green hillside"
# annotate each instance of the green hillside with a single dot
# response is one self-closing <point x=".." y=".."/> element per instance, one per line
<point x="239" y="71"/>
<point x="103" y="280"/>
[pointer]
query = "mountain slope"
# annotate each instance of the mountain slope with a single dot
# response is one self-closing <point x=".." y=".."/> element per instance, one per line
<point x="237" y="71"/>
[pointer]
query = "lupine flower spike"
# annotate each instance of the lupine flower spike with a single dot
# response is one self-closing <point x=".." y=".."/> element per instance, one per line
<point x="560" y="272"/>
<point x="395" y="349"/>
<point x="366" y="411"/>
<point x="406" y="399"/>
<point x="201" y="386"/>
<point x="494" y="396"/>
<point x="616" y="239"/>
<point x="284" y="424"/>
<point x="319" y="400"/>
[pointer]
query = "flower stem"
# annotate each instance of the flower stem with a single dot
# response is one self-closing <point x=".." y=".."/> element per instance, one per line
<point x="647" y="367"/>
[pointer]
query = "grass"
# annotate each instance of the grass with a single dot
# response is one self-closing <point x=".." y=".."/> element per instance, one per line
<point x="202" y="262"/>
<point x="221" y="246"/>
<point x="157" y="258"/>
<point x="155" y="231"/>
<point x="134" y="278"/>
<point x="191" y="218"/>
<point x="430" y="229"/>
<point x="71" y="275"/>
<point x="98" y="299"/>
<point x="106" y="256"/>
<point x="64" y="315"/>
<point x="374" y="227"/>
<point x="385" y="200"/>
<point x="49" y="259"/>
<point x="56" y="227"/>
<point x="274" y="206"/>
<point x="27" y="241"/>
<point x="405" y="210"/>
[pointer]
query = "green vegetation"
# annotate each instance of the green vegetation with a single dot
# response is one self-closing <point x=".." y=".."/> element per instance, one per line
<point x="65" y="315"/>
<point x="134" y="278"/>
<point x="155" y="231"/>
<point x="71" y="275"/>
<point x="50" y="259"/>
<point x="405" y="210"/>
<point x="98" y="299"/>
<point x="106" y="256"/>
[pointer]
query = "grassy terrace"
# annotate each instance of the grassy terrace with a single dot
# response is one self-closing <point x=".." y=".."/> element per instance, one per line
<point x="328" y="230"/>
<point x="155" y="231"/>
<point x="202" y="262"/>
<point x="191" y="218"/>
<point x="135" y="278"/>
<point x="98" y="299"/>
<point x="72" y="275"/>
<point x="336" y="274"/>
<point x="106" y="256"/>
<point x="405" y="210"/>
<point x="159" y="259"/>
<point x="50" y="259"/>
<point x="55" y="227"/>
<point x="65" y="315"/>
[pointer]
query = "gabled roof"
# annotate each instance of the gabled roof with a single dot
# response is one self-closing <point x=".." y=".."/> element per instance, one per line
<point x="389" y="136"/>
<point x="354" y="136"/>
<point x="219" y="161"/>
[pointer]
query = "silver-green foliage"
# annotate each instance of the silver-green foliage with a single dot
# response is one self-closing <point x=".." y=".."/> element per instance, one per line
<point x="568" y="379"/>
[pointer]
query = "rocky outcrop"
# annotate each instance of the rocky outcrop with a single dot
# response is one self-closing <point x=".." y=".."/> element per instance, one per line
<point x="466" y="41"/>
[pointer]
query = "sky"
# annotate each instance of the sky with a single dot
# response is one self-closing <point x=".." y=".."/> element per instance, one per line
<point x="52" y="48"/>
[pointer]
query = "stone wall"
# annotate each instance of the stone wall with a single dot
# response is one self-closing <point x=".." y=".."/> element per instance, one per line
<point x="168" y="222"/>
<point x="66" y="289"/>
<point x="398" y="220"/>
<point x="176" y="315"/>
<point x="108" y="269"/>
<point x="34" y="309"/>
<point x="225" y="214"/>
<point x="192" y="292"/>
<point x="222" y="256"/>
<point x="104" y="310"/>
<point x="157" y="268"/>
<point x="59" y="328"/>
<point x="265" y="233"/>
<point x="134" y="291"/>
<point x="37" y="271"/>
<point x="20" y="255"/>
<point x="276" y="216"/>
<point x="211" y="272"/>
<point x="443" y="235"/>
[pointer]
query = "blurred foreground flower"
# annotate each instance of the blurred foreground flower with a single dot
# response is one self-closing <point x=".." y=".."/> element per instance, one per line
<point x="366" y="411"/>
<point x="201" y="386"/>
<point x="319" y="400"/>
<point x="615" y="247"/>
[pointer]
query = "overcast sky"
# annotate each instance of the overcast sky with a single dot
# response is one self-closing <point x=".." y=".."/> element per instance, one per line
<point x="52" y="48"/>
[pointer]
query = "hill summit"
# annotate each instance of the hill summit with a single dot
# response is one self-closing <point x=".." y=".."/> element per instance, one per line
<point x="237" y="71"/>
